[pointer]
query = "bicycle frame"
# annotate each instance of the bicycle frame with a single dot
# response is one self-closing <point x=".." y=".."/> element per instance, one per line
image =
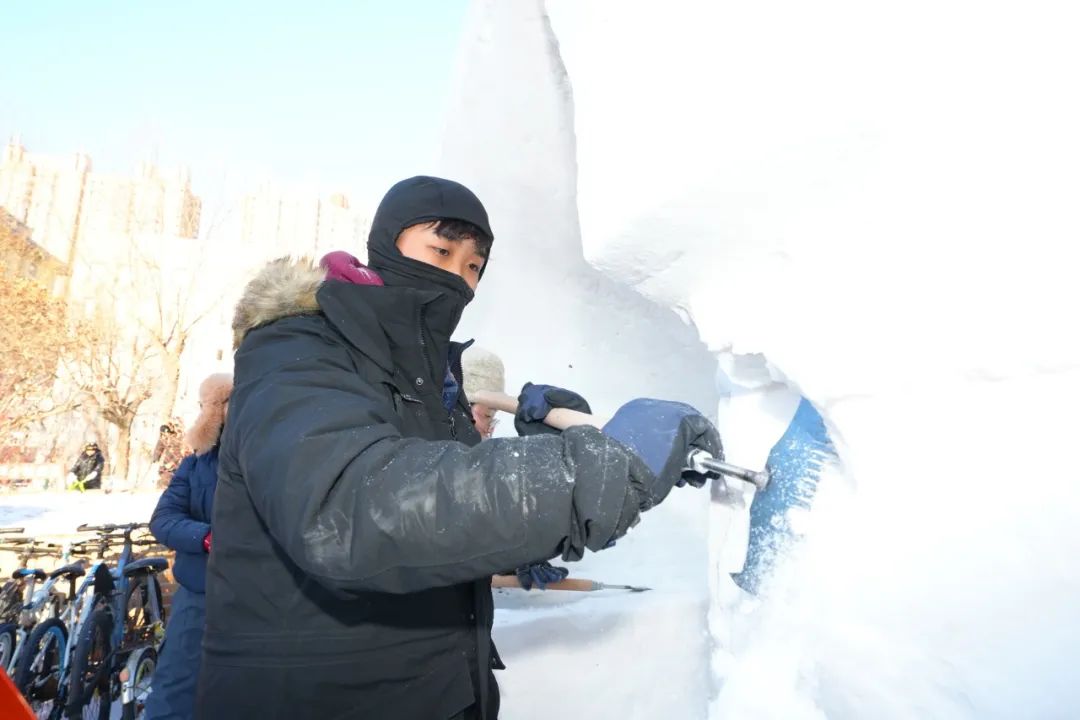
<point x="39" y="599"/>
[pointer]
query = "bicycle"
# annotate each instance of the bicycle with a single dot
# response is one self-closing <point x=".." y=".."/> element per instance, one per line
<point x="116" y="650"/>
<point x="37" y="667"/>
<point x="21" y="603"/>
<point x="41" y="676"/>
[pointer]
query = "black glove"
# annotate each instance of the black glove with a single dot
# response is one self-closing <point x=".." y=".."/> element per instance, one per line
<point x="539" y="575"/>
<point x="536" y="401"/>
<point x="662" y="434"/>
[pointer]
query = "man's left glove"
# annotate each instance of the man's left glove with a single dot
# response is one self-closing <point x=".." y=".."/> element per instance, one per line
<point x="536" y="401"/>
<point x="539" y="575"/>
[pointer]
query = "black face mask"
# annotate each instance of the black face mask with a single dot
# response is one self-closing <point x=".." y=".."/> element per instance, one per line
<point x="411" y="202"/>
<point x="449" y="292"/>
<point x="396" y="270"/>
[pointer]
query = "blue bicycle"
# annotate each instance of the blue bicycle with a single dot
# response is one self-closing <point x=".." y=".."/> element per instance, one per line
<point x="43" y="662"/>
<point x="120" y="631"/>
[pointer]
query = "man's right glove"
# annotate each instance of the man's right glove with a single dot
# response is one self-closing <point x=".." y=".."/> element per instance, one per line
<point x="536" y="401"/>
<point x="662" y="434"/>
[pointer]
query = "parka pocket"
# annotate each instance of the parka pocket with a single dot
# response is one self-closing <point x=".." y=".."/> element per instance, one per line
<point x="408" y="407"/>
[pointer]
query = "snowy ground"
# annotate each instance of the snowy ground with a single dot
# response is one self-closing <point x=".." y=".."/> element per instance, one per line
<point x="616" y="654"/>
<point x="59" y="513"/>
<point x="53" y="516"/>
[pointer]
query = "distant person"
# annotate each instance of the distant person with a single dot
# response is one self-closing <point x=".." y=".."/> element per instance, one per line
<point x="85" y="474"/>
<point x="483" y="371"/>
<point x="181" y="521"/>
<point x="169" y="451"/>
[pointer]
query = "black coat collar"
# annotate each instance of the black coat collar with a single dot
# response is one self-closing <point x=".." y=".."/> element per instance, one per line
<point x="387" y="322"/>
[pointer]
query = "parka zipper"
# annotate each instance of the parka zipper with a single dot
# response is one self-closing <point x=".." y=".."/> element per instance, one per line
<point x="428" y="363"/>
<point x="423" y="343"/>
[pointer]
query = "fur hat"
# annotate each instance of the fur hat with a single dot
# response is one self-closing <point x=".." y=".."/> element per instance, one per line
<point x="213" y="394"/>
<point x="482" y="370"/>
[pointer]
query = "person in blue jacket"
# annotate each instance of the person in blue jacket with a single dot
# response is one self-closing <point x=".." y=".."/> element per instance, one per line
<point x="181" y="521"/>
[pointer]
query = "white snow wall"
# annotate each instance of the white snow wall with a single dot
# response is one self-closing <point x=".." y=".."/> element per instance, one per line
<point x="555" y="319"/>
<point x="881" y="199"/>
<point x="548" y="313"/>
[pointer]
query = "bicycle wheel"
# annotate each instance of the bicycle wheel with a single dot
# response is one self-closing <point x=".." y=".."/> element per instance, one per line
<point x="8" y="639"/>
<point x="10" y="601"/>
<point x="90" y="685"/>
<point x="144" y="674"/>
<point x="37" y="673"/>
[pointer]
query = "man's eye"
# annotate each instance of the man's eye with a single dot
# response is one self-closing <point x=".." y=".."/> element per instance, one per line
<point x="474" y="267"/>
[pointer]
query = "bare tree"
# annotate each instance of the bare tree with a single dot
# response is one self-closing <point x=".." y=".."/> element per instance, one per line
<point x="174" y="300"/>
<point x="34" y="335"/>
<point x="178" y="289"/>
<point x="148" y="305"/>
<point x="115" y="367"/>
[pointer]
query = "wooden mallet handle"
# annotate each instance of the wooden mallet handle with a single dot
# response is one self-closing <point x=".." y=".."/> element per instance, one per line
<point x="558" y="418"/>
<point x="578" y="584"/>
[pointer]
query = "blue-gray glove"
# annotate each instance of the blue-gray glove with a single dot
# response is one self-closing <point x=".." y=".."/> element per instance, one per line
<point x="536" y="401"/>
<point x="662" y="434"/>
<point x="539" y="575"/>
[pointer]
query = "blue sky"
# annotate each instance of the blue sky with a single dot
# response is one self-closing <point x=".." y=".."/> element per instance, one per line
<point x="346" y="95"/>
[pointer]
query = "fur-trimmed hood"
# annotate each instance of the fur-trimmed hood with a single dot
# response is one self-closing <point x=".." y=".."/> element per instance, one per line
<point x="213" y="397"/>
<point x="335" y="289"/>
<point x="283" y="288"/>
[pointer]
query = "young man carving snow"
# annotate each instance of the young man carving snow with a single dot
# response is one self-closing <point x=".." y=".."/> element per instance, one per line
<point x="358" y="518"/>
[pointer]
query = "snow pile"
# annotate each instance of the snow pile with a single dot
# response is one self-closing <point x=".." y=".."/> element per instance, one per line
<point x="878" y="204"/>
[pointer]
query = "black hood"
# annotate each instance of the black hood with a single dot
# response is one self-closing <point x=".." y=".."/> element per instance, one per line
<point x="420" y="199"/>
<point x="411" y="202"/>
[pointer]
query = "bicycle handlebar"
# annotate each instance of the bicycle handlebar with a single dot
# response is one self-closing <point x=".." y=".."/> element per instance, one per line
<point x="109" y="527"/>
<point x="42" y="549"/>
